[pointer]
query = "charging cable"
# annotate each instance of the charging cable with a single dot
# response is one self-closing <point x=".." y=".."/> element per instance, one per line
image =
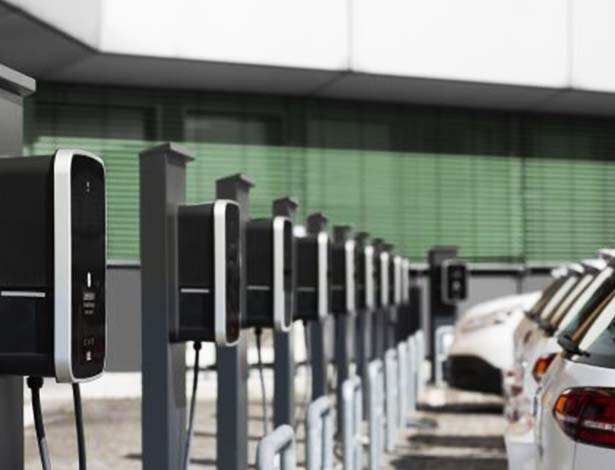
<point x="258" y="332"/>
<point x="79" y="424"/>
<point x="35" y="384"/>
<point x="195" y="384"/>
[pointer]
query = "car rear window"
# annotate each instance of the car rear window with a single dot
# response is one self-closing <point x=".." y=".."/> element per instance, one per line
<point x="596" y="336"/>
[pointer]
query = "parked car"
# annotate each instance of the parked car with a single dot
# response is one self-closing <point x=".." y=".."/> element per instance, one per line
<point x="577" y="317"/>
<point x="541" y="344"/>
<point x="482" y="346"/>
<point x="575" y="406"/>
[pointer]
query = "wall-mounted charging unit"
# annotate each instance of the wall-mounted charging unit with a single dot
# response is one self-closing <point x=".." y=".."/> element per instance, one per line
<point x="209" y="268"/>
<point x="343" y="272"/>
<point x="313" y="276"/>
<point x="454" y="281"/>
<point x="53" y="266"/>
<point x="270" y="273"/>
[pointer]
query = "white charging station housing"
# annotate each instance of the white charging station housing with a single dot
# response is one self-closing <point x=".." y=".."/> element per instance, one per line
<point x="53" y="266"/>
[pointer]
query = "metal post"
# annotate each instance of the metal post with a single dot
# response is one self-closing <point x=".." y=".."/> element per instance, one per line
<point x="443" y="339"/>
<point x="319" y="432"/>
<point x="391" y="400"/>
<point x="318" y="330"/>
<point x="380" y="310"/>
<point x="364" y="321"/>
<point x="13" y="87"/>
<point x="412" y="372"/>
<point x="279" y="443"/>
<point x="352" y="412"/>
<point x="344" y="334"/>
<point x="284" y="350"/>
<point x="375" y="413"/>
<point x="232" y="362"/>
<point x="162" y="188"/>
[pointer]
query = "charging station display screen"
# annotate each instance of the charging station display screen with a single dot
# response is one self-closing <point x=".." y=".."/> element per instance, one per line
<point x="88" y="225"/>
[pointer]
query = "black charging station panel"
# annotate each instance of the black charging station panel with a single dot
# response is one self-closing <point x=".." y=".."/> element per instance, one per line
<point x="270" y="272"/>
<point x="343" y="277"/>
<point x="53" y="266"/>
<point x="209" y="266"/>
<point x="454" y="281"/>
<point x="313" y="276"/>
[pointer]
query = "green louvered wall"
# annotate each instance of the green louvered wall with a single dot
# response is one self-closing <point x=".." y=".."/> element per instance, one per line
<point x="500" y="186"/>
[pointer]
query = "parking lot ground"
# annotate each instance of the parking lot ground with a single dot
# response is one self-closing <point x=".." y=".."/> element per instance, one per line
<point x="467" y="435"/>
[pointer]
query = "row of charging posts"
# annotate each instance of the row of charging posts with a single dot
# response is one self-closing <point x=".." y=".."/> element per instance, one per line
<point x="259" y="260"/>
<point x="200" y="263"/>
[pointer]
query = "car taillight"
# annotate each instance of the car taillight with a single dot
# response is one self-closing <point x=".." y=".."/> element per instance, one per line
<point x="587" y="415"/>
<point x="541" y="366"/>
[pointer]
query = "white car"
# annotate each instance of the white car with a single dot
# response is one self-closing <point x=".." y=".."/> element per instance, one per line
<point x="541" y="344"/>
<point x="550" y="299"/>
<point x="482" y="346"/>
<point x="542" y="349"/>
<point x="575" y="406"/>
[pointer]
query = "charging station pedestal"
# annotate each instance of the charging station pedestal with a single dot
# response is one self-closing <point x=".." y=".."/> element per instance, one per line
<point x="318" y="330"/>
<point x="284" y="347"/>
<point x="345" y="316"/>
<point x="364" y="319"/>
<point x="378" y="326"/>
<point x="441" y="312"/>
<point x="390" y="311"/>
<point x="232" y="362"/>
<point x="13" y="88"/>
<point x="162" y="189"/>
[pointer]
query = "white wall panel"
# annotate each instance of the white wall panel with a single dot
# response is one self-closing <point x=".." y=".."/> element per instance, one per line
<point x="593" y="39"/>
<point x="522" y="42"/>
<point x="292" y="33"/>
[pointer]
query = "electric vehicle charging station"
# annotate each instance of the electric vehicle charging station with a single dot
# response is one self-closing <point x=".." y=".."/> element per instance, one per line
<point x="53" y="269"/>
<point x="53" y="276"/>
<point x="270" y="271"/>
<point x="232" y="362"/>
<point x="377" y="336"/>
<point x="284" y="342"/>
<point x="209" y="279"/>
<point x="270" y="283"/>
<point x="313" y="295"/>
<point x="13" y="88"/>
<point x="365" y="303"/>
<point x="448" y="280"/>
<point x="343" y="307"/>
<point x="162" y="190"/>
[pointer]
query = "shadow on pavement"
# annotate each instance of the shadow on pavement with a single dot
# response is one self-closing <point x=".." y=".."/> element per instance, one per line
<point x="470" y="408"/>
<point x="448" y="463"/>
<point x="482" y="442"/>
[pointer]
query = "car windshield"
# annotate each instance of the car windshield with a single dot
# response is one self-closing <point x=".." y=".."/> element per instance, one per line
<point x="589" y="300"/>
<point x="552" y="295"/>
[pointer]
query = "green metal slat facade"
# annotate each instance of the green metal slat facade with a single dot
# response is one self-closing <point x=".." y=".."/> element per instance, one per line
<point x="501" y="186"/>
